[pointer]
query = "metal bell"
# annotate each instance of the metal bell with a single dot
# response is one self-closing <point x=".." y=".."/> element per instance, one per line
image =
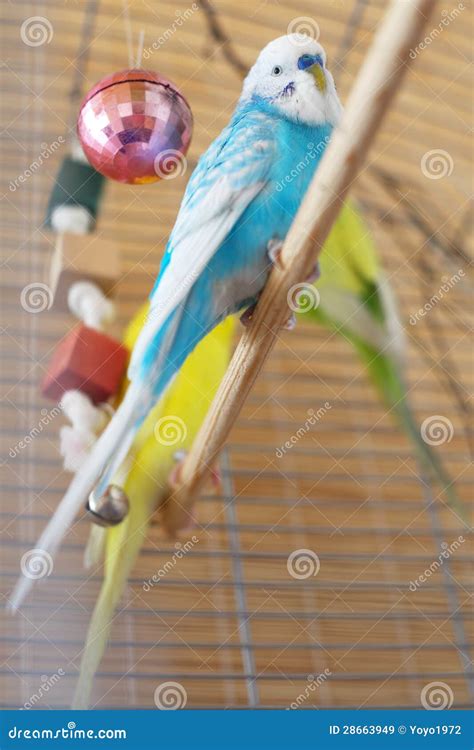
<point x="111" y="508"/>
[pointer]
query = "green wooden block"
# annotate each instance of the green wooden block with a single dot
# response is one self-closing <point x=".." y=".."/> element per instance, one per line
<point x="77" y="184"/>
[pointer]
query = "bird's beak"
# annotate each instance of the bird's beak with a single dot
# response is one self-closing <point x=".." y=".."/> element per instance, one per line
<point x="318" y="74"/>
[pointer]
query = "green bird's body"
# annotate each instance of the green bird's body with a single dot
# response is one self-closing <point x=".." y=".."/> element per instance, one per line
<point x="357" y="302"/>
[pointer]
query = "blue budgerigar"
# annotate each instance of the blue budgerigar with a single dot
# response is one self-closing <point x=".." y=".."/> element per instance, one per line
<point x="232" y="219"/>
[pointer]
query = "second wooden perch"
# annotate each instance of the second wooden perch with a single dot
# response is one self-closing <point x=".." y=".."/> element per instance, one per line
<point x="376" y="84"/>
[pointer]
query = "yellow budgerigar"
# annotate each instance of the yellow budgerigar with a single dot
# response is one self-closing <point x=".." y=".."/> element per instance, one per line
<point x="169" y="428"/>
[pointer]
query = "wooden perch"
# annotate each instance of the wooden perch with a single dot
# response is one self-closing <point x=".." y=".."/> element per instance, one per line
<point x="376" y="84"/>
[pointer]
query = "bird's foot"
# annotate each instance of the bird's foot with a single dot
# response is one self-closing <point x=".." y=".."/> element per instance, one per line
<point x="290" y="324"/>
<point x="174" y="477"/>
<point x="274" y="247"/>
<point x="314" y="275"/>
<point x="175" y="474"/>
<point x="216" y="480"/>
<point x="247" y="315"/>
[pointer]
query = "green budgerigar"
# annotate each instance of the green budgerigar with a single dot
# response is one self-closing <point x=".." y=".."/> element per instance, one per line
<point x="356" y="300"/>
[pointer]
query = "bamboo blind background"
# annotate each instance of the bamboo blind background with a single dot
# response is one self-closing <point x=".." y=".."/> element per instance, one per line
<point x="229" y="623"/>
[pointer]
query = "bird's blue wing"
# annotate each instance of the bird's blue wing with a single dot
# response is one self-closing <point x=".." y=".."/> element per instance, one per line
<point x="227" y="178"/>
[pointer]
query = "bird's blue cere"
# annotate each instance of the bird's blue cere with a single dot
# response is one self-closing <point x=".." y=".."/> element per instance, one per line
<point x="307" y="61"/>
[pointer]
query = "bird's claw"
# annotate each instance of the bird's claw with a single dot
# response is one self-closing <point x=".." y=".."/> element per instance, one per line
<point x="247" y="315"/>
<point x="274" y="247"/>
<point x="290" y="324"/>
<point x="174" y="477"/>
<point x="315" y="274"/>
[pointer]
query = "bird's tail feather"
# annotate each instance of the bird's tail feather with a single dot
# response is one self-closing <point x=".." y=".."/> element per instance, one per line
<point x="120" y="430"/>
<point x="386" y="375"/>
<point x="385" y="372"/>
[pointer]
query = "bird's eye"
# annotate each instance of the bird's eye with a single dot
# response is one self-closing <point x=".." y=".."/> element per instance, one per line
<point x="277" y="70"/>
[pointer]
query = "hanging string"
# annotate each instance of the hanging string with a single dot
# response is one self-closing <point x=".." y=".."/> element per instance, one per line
<point x="128" y="32"/>
<point x="83" y="55"/>
<point x="141" y="39"/>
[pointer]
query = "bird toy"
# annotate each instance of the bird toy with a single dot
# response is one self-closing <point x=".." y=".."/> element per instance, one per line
<point x="135" y="127"/>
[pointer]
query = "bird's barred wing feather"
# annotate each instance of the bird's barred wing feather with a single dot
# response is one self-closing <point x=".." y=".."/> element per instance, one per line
<point x="227" y="178"/>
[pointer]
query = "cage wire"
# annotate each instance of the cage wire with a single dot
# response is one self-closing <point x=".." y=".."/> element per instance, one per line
<point x="231" y="624"/>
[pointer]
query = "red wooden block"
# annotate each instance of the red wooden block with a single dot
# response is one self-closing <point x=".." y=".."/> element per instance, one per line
<point x="89" y="361"/>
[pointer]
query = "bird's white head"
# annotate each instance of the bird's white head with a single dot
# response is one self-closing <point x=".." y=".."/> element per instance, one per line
<point x="291" y="75"/>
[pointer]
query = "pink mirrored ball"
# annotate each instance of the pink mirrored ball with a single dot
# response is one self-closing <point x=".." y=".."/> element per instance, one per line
<point x="135" y="127"/>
